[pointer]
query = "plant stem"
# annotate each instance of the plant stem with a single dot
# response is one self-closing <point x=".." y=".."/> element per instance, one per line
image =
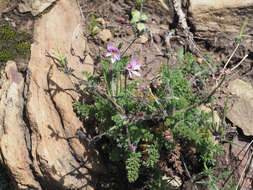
<point x="129" y="46"/>
<point x="120" y="83"/>
<point x="125" y="82"/>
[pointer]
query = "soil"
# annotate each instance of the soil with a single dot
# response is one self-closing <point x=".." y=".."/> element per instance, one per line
<point x="151" y="54"/>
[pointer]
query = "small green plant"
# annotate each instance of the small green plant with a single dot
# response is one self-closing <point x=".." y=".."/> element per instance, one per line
<point x="241" y="35"/>
<point x="94" y="25"/>
<point x="130" y="116"/>
<point x="138" y="17"/>
<point x="190" y="66"/>
<point x="62" y="61"/>
<point x="213" y="182"/>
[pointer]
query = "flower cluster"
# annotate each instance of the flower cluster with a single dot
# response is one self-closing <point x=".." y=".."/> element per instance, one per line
<point x="133" y="67"/>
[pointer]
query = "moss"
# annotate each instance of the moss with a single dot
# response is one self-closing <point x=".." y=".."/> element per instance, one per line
<point x="13" y="44"/>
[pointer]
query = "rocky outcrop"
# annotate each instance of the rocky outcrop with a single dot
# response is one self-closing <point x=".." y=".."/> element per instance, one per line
<point x="37" y="119"/>
<point x="240" y="113"/>
<point x="220" y="16"/>
<point x="220" y="21"/>
<point x="14" y="134"/>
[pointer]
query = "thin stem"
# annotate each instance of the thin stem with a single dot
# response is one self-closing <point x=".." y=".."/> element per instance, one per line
<point x="108" y="88"/>
<point x="153" y="96"/>
<point x="120" y="82"/>
<point x="129" y="45"/>
<point x="231" y="56"/>
<point x="239" y="63"/>
<point x="125" y="82"/>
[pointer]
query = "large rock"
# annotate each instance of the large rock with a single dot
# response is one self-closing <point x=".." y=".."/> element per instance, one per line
<point x="221" y="21"/>
<point x="34" y="6"/>
<point x="37" y="118"/>
<point x="14" y="136"/>
<point x="51" y="97"/>
<point x="240" y="113"/>
<point x="220" y="16"/>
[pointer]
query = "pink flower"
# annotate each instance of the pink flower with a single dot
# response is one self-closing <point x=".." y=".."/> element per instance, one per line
<point x="133" y="67"/>
<point x="113" y="52"/>
<point x="132" y="147"/>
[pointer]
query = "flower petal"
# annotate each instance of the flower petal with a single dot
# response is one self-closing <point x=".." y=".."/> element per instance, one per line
<point x="117" y="56"/>
<point x="110" y="48"/>
<point x="137" y="67"/>
<point x="113" y="59"/>
<point x="130" y="74"/>
<point x="136" y="73"/>
<point x="133" y="62"/>
<point x="129" y="67"/>
<point x="108" y="54"/>
<point x="115" y="50"/>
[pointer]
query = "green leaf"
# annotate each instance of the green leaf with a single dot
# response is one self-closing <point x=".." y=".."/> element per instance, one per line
<point x="136" y="15"/>
<point x="144" y="17"/>
<point x="141" y="26"/>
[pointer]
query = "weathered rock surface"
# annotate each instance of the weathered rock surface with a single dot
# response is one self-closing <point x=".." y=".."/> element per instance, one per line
<point x="105" y="35"/>
<point x="34" y="6"/>
<point x="32" y="114"/>
<point x="240" y="113"/>
<point x="14" y="136"/>
<point x="221" y="20"/>
<point x="220" y="16"/>
<point x="3" y="5"/>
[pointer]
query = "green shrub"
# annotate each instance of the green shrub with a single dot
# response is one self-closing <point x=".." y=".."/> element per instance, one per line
<point x="129" y="115"/>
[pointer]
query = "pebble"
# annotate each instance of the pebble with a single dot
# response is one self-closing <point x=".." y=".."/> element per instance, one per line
<point x="157" y="38"/>
<point x="142" y="39"/>
<point x="105" y="35"/>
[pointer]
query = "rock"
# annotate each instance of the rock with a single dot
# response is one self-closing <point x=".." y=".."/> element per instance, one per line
<point x="164" y="27"/>
<point x="240" y="113"/>
<point x="21" y="64"/>
<point x="155" y="29"/>
<point x="3" y="5"/>
<point x="219" y="16"/>
<point x="174" y="182"/>
<point x="53" y="93"/>
<point x="142" y="39"/>
<point x="35" y="6"/>
<point x="221" y="19"/>
<point x="33" y="138"/>
<point x="105" y="35"/>
<point x="157" y="38"/>
<point x="14" y="138"/>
